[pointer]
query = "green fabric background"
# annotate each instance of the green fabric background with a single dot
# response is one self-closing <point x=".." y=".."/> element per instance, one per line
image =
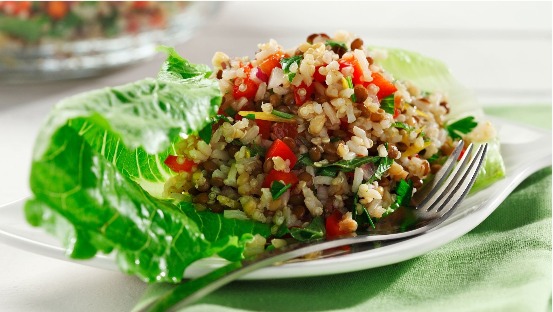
<point x="504" y="264"/>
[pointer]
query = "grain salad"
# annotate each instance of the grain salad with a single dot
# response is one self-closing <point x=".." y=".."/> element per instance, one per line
<point x="318" y="133"/>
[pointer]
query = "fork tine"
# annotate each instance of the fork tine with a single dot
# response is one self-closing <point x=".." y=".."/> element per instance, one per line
<point x="468" y="179"/>
<point x="450" y="180"/>
<point x="423" y="196"/>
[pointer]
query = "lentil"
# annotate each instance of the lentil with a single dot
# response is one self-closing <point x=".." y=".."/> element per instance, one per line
<point x="417" y="182"/>
<point x="402" y="147"/>
<point x="434" y="168"/>
<point x="204" y="187"/>
<point x="274" y="99"/>
<point x="315" y="153"/>
<point x="361" y="93"/>
<point x="268" y="165"/>
<point x="393" y="152"/>
<point x="290" y="142"/>
<point x="296" y="199"/>
<point x="218" y="182"/>
<point x="356" y="44"/>
<point x="307" y="178"/>
<point x="201" y="198"/>
<point x="299" y="211"/>
<point x="216" y="207"/>
<point x="210" y="166"/>
<point x="232" y="149"/>
<point x="289" y="100"/>
<point x="377" y="116"/>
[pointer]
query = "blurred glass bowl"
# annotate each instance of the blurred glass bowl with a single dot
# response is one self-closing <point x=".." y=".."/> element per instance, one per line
<point x="55" y="40"/>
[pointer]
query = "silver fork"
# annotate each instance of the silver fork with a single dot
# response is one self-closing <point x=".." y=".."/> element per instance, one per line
<point x="434" y="204"/>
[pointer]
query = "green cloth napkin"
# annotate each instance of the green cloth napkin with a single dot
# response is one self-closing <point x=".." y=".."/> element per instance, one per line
<point x="504" y="264"/>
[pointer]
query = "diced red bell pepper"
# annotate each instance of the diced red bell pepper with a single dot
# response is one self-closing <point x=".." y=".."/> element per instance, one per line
<point x="397" y="106"/>
<point x="281" y="149"/>
<point x="272" y="61"/>
<point x="173" y="162"/>
<point x="357" y="77"/>
<point x="285" y="177"/>
<point x="264" y="128"/>
<point x="332" y="225"/>
<point x="318" y="76"/>
<point x="396" y="112"/>
<point x="249" y="91"/>
<point x="299" y="96"/>
<point x="385" y="87"/>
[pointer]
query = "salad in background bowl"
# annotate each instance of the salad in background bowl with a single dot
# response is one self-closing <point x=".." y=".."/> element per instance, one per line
<point x="54" y="40"/>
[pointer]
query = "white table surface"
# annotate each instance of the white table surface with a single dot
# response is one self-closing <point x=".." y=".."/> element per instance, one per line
<point x="502" y="51"/>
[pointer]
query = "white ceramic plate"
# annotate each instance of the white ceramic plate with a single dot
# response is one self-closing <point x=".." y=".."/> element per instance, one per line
<point x="525" y="150"/>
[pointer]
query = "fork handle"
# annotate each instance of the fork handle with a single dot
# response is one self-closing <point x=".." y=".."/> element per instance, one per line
<point x="192" y="290"/>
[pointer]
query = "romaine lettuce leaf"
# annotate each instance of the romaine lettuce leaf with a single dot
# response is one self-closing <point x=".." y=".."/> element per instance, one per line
<point x="97" y="175"/>
<point x="430" y="74"/>
<point x="492" y="169"/>
<point x="108" y="210"/>
<point x="176" y="67"/>
<point x="154" y="238"/>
